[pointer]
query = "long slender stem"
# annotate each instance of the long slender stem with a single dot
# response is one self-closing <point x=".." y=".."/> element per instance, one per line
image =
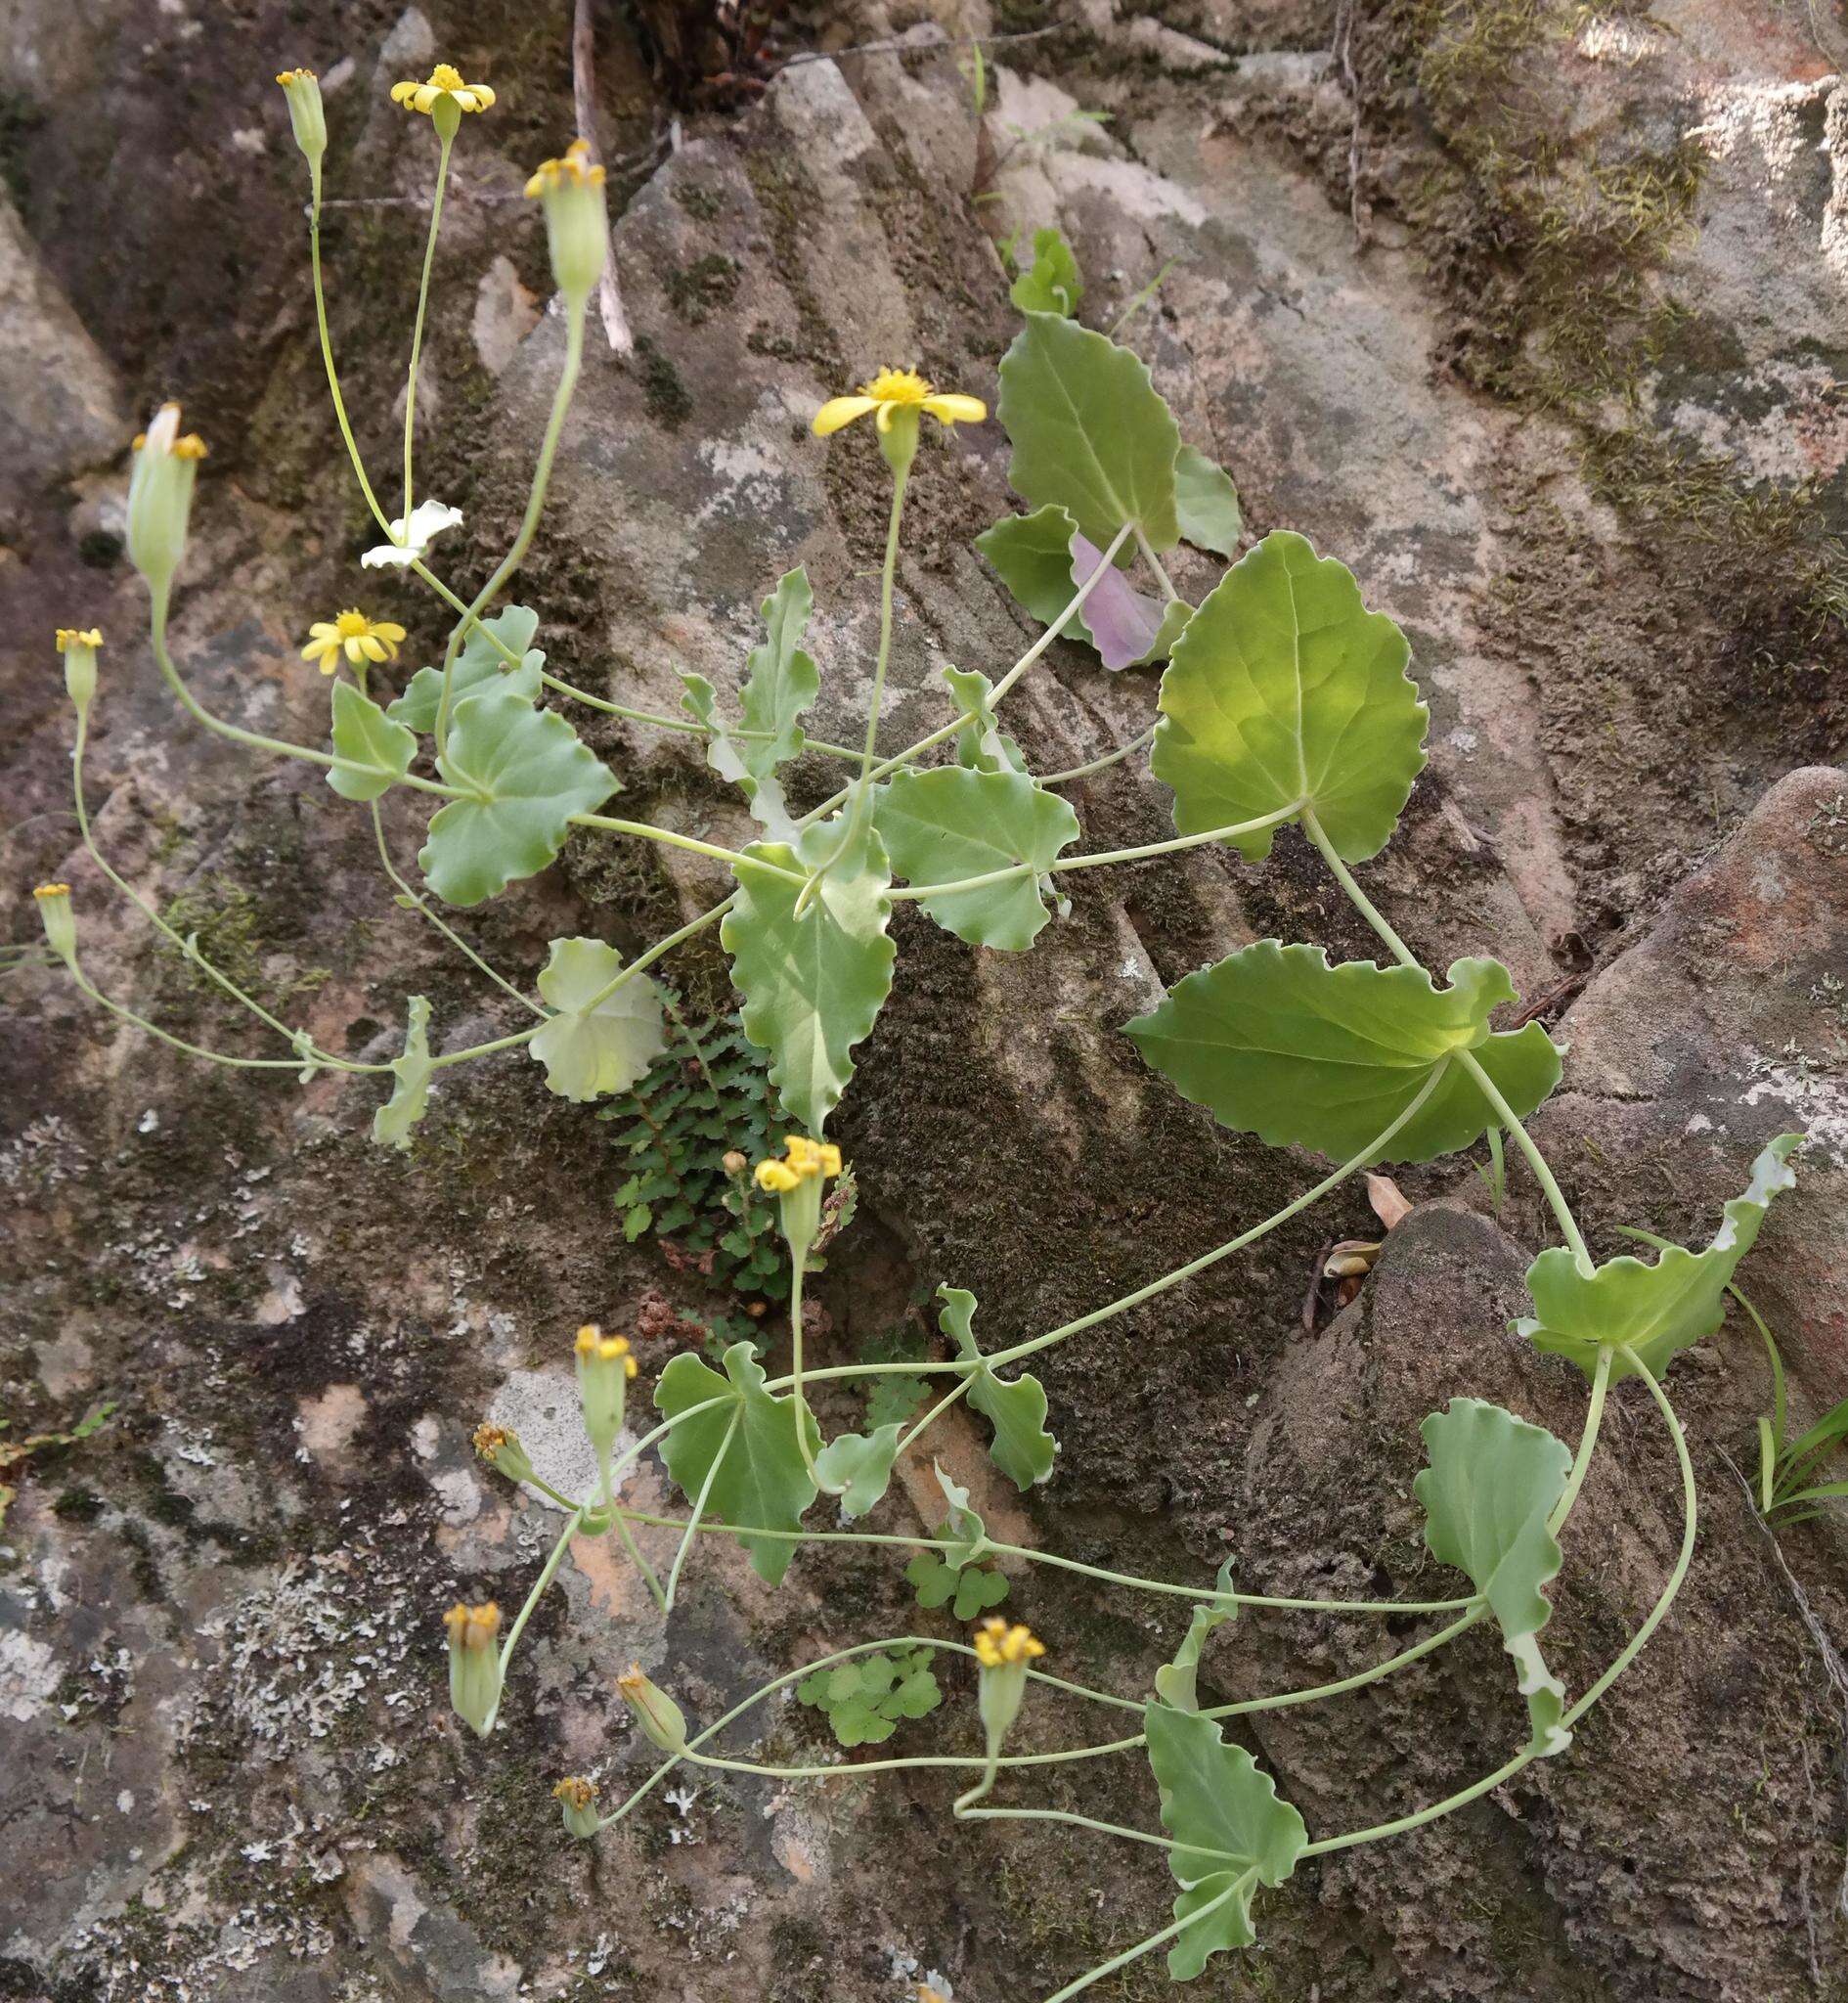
<point x="87" y="986"/>
<point x="798" y="1262"/>
<point x="1586" y="1442"/>
<point x="255" y="740"/>
<point x="700" y="1508"/>
<point x="641" y="1565"/>
<point x="1155" y="563"/>
<point x="1110" y="758"/>
<point x="1239" y="1884"/>
<point x="888" y="579"/>
<point x="936" y="1413"/>
<point x="535" y="504"/>
<point x="444" y="142"/>
<point x="647" y="831"/>
<point x="326" y="355"/>
<point x="533" y="1597"/>
<point x="686" y="724"/>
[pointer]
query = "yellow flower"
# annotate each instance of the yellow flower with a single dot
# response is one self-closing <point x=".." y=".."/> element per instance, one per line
<point x="444" y="82"/>
<point x="473" y="1629"/>
<point x="594" y="1345"/>
<point x="575" y="170"/>
<point x="998" y="1646"/>
<point x="46" y="890"/>
<point x="359" y="637"/>
<point x="802" y="1160"/>
<point x="893" y="390"/>
<point x="73" y="635"/>
<point x="165" y="434"/>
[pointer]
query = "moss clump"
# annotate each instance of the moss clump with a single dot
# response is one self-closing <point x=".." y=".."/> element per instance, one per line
<point x="225" y="918"/>
<point x="669" y="400"/>
<point x="698" y="289"/>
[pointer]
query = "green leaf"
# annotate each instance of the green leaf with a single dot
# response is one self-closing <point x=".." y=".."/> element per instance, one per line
<point x="1022" y="1448"/>
<point x="977" y="1590"/>
<point x="962" y="1533"/>
<point x="1277" y="1042"/>
<point x="932" y="1580"/>
<point x="864" y="1699"/>
<point x="1089" y="431"/>
<point x="527" y="773"/>
<point x="1657" y="1309"/>
<point x="363" y="732"/>
<point x="590" y="1050"/>
<point x="1032" y="553"/>
<point x="1207" y="502"/>
<point x="761" y="1483"/>
<point x="949" y="823"/>
<point x="783" y="683"/>
<point x="858" y="1468"/>
<point x="479" y="665"/>
<point x="981" y="744"/>
<point x="1174" y="1682"/>
<point x="1491" y="1484"/>
<point x="1053" y="284"/>
<point x="814" y="985"/>
<point x="1214" y="1799"/>
<point x="411" y="1095"/>
<point x="1285" y="688"/>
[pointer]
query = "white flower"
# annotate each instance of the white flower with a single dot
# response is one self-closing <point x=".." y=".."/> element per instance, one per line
<point x="409" y="541"/>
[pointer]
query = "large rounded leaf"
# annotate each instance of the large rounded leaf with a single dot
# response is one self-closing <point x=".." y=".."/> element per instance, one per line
<point x="366" y="735"/>
<point x="1283" y="689"/>
<point x="1089" y="429"/>
<point x="1660" y="1309"/>
<point x="1277" y="1042"/>
<point x="596" y="1043"/>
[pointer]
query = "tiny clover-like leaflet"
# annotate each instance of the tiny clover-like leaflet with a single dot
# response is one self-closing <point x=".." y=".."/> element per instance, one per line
<point x="1022" y="1448"/>
<point x="480" y="664"/>
<point x="761" y="1483"/>
<point x="783" y="682"/>
<point x="1174" y="1682"/>
<point x="589" y="1051"/>
<point x="1656" y="1309"/>
<point x="962" y="1536"/>
<point x="863" y="1700"/>
<point x="1051" y="284"/>
<point x="949" y="823"/>
<point x="363" y="732"/>
<point x="858" y="1466"/>
<point x="813" y="985"/>
<point x="1283" y="689"/>
<point x="973" y="1587"/>
<point x="1491" y="1484"/>
<point x="411" y="1093"/>
<point x="1089" y="430"/>
<point x="981" y="744"/>
<point x="1206" y="502"/>
<point x="1276" y="1041"/>
<point x="525" y="773"/>
<point x="1233" y="1834"/>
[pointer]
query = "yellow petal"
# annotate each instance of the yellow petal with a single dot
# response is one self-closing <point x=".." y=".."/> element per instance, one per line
<point x="956" y="410"/>
<point x="388" y="630"/>
<point x="883" y="414"/>
<point x="330" y="661"/>
<point x="371" y="647"/>
<point x="839" y="411"/>
<point x="423" y="97"/>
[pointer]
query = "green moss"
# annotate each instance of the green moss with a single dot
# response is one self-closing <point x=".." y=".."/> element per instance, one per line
<point x="698" y="289"/>
<point x="226" y="919"/>
<point x="670" y="402"/>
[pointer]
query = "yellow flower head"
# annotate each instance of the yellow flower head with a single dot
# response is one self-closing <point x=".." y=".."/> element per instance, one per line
<point x="473" y="1629"/>
<point x="356" y="635"/>
<point x="163" y="434"/>
<point x="802" y="1159"/>
<point x="575" y="170"/>
<point x="46" y="891"/>
<point x="287" y="76"/>
<point x="575" y="1793"/>
<point x="490" y="1440"/>
<point x="893" y="390"/>
<point x="999" y="1646"/>
<point x="77" y="635"/>
<point x="593" y="1345"/>
<point x="444" y="82"/>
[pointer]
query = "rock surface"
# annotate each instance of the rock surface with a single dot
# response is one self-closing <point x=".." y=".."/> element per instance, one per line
<point x="231" y="1771"/>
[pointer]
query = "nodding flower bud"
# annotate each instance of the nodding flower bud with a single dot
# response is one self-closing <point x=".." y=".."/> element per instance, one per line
<point x="500" y="1447"/>
<point x="604" y="1368"/>
<point x="58" y="920"/>
<point x="655" y="1712"/>
<point x="797" y="1175"/>
<point x="160" y="496"/>
<point x="578" y="1799"/>
<point x="474" y="1663"/>
<point x="302" y="89"/>
<point x="733" y="1163"/>
<point x="1003" y="1653"/>
<point x="78" y="646"/>
<point x="577" y="221"/>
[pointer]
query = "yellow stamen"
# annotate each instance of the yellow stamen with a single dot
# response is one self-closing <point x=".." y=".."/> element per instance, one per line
<point x="50" y="890"/>
<point x="472" y="1627"/>
<point x="576" y="169"/>
<point x="77" y="635"/>
<point x="999" y="1646"/>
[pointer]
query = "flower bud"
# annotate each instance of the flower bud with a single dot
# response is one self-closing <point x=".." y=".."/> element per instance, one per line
<point x="302" y="89"/>
<point x="655" y="1712"/>
<point x="733" y="1163"/>
<point x="160" y="496"/>
<point x="500" y="1447"/>
<point x="474" y="1663"/>
<point x="1003" y="1653"/>
<point x="577" y="222"/>
<point x="578" y="1799"/>
<point x="58" y="920"/>
<point x="78" y="646"/>
<point x="604" y="1368"/>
